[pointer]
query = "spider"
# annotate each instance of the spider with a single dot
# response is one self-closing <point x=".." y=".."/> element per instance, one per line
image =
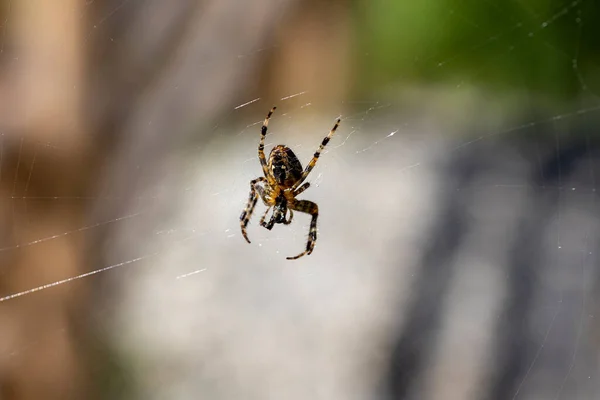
<point x="282" y="180"/>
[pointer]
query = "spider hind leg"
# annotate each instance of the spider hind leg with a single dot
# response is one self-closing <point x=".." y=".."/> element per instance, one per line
<point x="311" y="208"/>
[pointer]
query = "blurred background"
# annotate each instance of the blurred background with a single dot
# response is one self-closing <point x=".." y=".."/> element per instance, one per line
<point x="458" y="226"/>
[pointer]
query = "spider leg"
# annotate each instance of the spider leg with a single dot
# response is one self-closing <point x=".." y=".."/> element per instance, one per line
<point x="311" y="208"/>
<point x="315" y="158"/>
<point x="269" y="225"/>
<point x="252" y="199"/>
<point x="262" y="219"/>
<point x="289" y="221"/>
<point x="264" y="195"/>
<point x="271" y="222"/>
<point x="261" y="146"/>
<point x="301" y="189"/>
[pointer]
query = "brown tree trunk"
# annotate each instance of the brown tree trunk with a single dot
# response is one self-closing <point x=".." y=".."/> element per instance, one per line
<point x="44" y="153"/>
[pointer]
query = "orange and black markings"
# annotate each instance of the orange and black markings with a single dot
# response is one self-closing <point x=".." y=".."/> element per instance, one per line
<point x="283" y="180"/>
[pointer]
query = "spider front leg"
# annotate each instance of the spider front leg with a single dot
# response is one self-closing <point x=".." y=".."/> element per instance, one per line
<point x="252" y="199"/>
<point x="311" y="208"/>
<point x="315" y="158"/>
<point x="261" y="146"/>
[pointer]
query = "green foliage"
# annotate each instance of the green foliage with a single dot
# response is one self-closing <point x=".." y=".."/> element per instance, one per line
<point x="545" y="46"/>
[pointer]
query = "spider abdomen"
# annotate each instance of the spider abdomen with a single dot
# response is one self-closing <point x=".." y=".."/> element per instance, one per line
<point x="285" y="166"/>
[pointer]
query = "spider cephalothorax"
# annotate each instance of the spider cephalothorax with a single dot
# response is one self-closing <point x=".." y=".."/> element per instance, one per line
<point x="282" y="180"/>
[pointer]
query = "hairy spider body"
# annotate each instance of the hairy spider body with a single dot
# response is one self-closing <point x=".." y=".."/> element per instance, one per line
<point x="285" y="166"/>
<point x="282" y="180"/>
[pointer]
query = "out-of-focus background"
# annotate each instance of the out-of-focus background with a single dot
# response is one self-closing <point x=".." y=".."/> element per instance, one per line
<point x="458" y="229"/>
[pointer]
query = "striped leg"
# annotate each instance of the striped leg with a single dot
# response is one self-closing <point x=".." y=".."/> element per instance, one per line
<point x="262" y="220"/>
<point x="261" y="145"/>
<point x="315" y="158"/>
<point x="271" y="222"/>
<point x="252" y="199"/>
<point x="301" y="189"/>
<point x="311" y="208"/>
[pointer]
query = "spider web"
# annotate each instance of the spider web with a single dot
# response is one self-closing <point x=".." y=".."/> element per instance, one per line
<point x="200" y="306"/>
